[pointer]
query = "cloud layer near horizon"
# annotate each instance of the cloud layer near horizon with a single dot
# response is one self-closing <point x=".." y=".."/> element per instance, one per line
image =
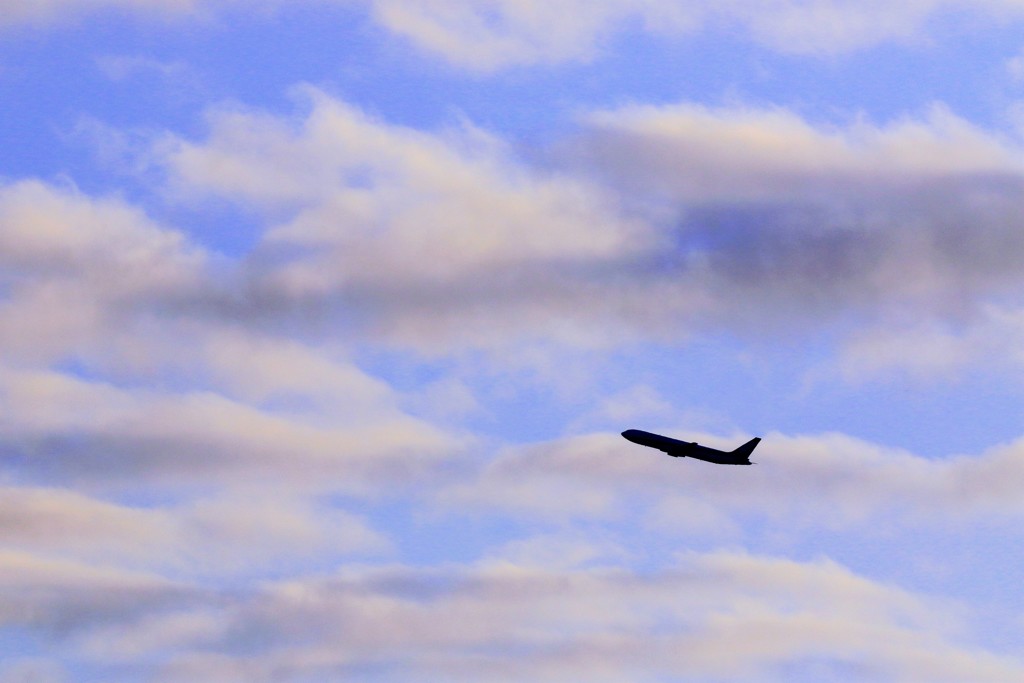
<point x="724" y="616"/>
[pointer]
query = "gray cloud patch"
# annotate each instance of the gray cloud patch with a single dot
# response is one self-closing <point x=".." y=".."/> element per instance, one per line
<point x="658" y="223"/>
<point x="766" y="212"/>
<point x="64" y="597"/>
<point x="721" y="616"/>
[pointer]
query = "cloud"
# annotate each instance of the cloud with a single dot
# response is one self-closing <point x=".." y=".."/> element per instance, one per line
<point x="123" y="67"/>
<point x="491" y="34"/>
<point x="779" y="222"/>
<point x="176" y="80"/>
<point x="636" y="403"/>
<point x="124" y="363"/>
<point x="485" y="36"/>
<point x="828" y="27"/>
<point x="1015" y="67"/>
<point x="721" y="616"/>
<point x="934" y="350"/>
<point x="77" y="268"/>
<point x="653" y="223"/>
<point x="14" y="12"/>
<point x="407" y="236"/>
<point x="62" y="596"/>
<point x="240" y="411"/>
<point x="189" y="440"/>
<point x="829" y="481"/>
<point x="232" y="533"/>
<point x="731" y="154"/>
<point x="336" y="166"/>
<point x="92" y="433"/>
<point x="656" y="224"/>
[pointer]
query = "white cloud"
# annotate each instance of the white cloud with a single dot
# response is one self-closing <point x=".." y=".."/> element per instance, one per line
<point x="123" y="67"/>
<point x="688" y="516"/>
<point x="633" y="403"/>
<point x="406" y="235"/>
<point x="357" y="182"/>
<point x="56" y="594"/>
<point x="94" y="284"/>
<point x="259" y="369"/>
<point x="136" y="364"/>
<point x="829" y="482"/>
<point x="731" y="154"/>
<point x="764" y="222"/>
<point x="825" y="27"/>
<point x="445" y="399"/>
<point x="250" y="411"/>
<point x="1015" y="67"/>
<point x="76" y="269"/>
<point x="725" y="616"/>
<point x="562" y="551"/>
<point x="485" y="35"/>
<point x="232" y="534"/>
<point x="46" y="11"/>
<point x="780" y="222"/>
<point x="94" y="433"/>
<point x="488" y="35"/>
<point x="928" y="351"/>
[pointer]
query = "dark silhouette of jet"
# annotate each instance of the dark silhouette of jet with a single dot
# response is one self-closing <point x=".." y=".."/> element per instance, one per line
<point x="685" y="449"/>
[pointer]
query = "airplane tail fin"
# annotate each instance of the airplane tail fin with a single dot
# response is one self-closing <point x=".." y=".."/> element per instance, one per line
<point x="746" y="449"/>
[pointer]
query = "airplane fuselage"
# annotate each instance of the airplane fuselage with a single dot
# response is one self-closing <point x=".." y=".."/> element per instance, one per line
<point x="685" y="449"/>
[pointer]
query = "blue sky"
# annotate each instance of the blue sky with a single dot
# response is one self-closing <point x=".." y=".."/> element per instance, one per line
<point x="320" y="322"/>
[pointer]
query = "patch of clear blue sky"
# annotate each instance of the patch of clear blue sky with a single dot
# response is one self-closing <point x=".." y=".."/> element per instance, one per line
<point x="431" y="537"/>
<point x="20" y="642"/>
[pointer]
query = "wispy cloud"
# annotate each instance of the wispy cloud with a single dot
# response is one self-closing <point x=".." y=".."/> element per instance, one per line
<point x="56" y="595"/>
<point x="234" y="534"/>
<point x="411" y="235"/>
<point x="485" y="36"/>
<point x="96" y="285"/>
<point x="660" y="221"/>
<point x="123" y="67"/>
<point x="831" y="481"/>
<point x="57" y="11"/>
<point x="910" y="223"/>
<point x="725" y="616"/>
<point x="95" y="432"/>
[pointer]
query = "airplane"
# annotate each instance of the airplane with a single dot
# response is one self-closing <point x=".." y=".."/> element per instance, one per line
<point x="685" y="449"/>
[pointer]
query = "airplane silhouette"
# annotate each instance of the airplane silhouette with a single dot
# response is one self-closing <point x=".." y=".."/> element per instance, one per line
<point x="685" y="449"/>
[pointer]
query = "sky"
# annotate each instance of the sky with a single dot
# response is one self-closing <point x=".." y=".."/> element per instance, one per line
<point x="320" y="321"/>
